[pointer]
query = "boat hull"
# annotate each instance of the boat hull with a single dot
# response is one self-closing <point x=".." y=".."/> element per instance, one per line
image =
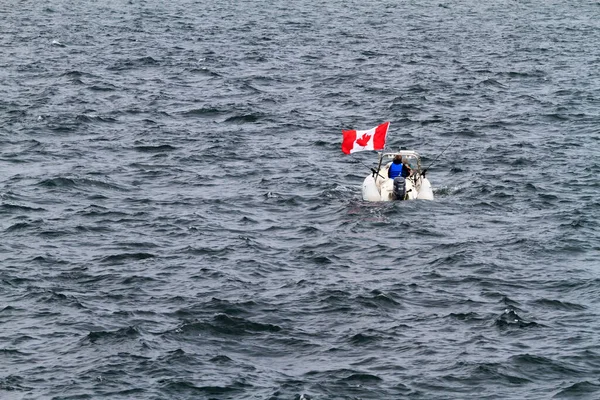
<point x="378" y="187"/>
<point x="373" y="190"/>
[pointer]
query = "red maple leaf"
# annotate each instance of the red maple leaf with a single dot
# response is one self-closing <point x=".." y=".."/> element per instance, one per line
<point x="363" y="140"/>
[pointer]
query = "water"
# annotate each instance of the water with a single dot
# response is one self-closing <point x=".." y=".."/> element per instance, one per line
<point x="178" y="220"/>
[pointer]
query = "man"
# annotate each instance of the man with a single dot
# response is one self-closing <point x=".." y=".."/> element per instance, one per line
<point x="399" y="168"/>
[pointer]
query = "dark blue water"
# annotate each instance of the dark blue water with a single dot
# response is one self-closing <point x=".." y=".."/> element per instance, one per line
<point x="177" y="220"/>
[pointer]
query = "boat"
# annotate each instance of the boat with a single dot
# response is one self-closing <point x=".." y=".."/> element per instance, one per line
<point x="378" y="187"/>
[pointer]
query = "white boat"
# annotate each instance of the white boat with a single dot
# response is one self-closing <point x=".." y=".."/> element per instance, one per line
<point x="378" y="187"/>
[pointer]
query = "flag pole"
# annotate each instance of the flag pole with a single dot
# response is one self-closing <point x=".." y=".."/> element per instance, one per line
<point x="380" y="160"/>
<point x="381" y="157"/>
<point x="382" y="151"/>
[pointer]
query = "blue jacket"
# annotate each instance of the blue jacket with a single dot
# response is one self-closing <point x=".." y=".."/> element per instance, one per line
<point x="395" y="169"/>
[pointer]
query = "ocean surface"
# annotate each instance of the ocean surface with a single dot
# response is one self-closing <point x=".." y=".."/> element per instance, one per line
<point x="177" y="219"/>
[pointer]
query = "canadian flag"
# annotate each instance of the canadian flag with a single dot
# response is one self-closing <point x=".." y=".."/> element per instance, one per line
<point x="372" y="139"/>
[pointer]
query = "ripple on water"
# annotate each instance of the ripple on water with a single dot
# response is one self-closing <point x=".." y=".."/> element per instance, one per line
<point x="179" y="221"/>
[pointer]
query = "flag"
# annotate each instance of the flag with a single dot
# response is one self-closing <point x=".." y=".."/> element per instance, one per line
<point x="372" y="139"/>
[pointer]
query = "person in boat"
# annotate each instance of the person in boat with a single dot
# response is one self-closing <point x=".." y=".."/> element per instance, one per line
<point x="399" y="168"/>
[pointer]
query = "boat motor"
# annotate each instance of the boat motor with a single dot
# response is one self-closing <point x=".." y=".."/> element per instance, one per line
<point x="399" y="188"/>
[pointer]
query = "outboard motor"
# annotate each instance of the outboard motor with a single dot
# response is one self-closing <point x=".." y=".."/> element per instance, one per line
<point x="399" y="188"/>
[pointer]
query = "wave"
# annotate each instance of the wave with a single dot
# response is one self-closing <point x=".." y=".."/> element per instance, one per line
<point x="244" y="118"/>
<point x="133" y="63"/>
<point x="171" y="386"/>
<point x="123" y="257"/>
<point x="116" y="336"/>
<point x="229" y="325"/>
<point x="80" y="183"/>
<point x="161" y="148"/>
<point x="511" y="320"/>
<point x="203" y="112"/>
